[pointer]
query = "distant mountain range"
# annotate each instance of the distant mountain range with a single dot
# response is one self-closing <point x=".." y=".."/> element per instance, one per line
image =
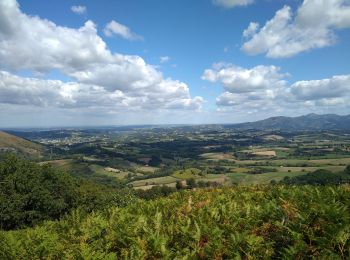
<point x="307" y="122"/>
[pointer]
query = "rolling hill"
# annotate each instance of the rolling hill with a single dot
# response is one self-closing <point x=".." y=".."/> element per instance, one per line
<point x="306" y="122"/>
<point x="11" y="143"/>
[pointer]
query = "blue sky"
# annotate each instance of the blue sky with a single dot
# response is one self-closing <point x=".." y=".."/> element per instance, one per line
<point x="135" y="62"/>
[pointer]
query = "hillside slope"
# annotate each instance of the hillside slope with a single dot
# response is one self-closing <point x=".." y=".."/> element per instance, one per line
<point x="11" y="143"/>
<point x="267" y="222"/>
<point x="306" y="122"/>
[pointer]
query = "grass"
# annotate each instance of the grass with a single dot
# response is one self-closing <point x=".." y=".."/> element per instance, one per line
<point x="21" y="145"/>
<point x="311" y="169"/>
<point x="154" y="181"/>
<point x="281" y="153"/>
<point x="104" y="171"/>
<point x="91" y="159"/>
<point x="146" y="169"/>
<point x="148" y="187"/>
<point x="264" y="153"/>
<point x="219" y="178"/>
<point x="296" y="162"/>
<point x="259" y="151"/>
<point x="58" y="163"/>
<point x="312" y="162"/>
<point x="245" y="178"/>
<point x="241" y="170"/>
<point x="187" y="173"/>
<point x="101" y="170"/>
<point x="217" y="156"/>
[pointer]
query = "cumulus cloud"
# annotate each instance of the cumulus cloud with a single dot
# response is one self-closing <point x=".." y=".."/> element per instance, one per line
<point x="79" y="9"/>
<point x="240" y="80"/>
<point x="100" y="77"/>
<point x="55" y="93"/>
<point x="313" y="26"/>
<point x="252" y="89"/>
<point x="331" y="93"/>
<point x="115" y="28"/>
<point x="164" y="59"/>
<point x="251" y="30"/>
<point x="232" y="3"/>
<point x="265" y="88"/>
<point x="335" y="87"/>
<point x="32" y="43"/>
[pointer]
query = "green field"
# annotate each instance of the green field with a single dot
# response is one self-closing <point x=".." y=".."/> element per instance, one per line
<point x="187" y="173"/>
<point x="264" y="178"/>
<point x="102" y="171"/>
<point x="154" y="181"/>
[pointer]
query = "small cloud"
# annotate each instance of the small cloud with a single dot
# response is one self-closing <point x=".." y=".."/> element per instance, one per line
<point x="232" y="3"/>
<point x="115" y="28"/>
<point x="226" y="49"/>
<point x="251" y="30"/>
<point x="164" y="59"/>
<point x="79" y="9"/>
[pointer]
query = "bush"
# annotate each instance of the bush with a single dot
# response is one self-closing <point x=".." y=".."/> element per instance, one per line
<point x="260" y="222"/>
<point x="347" y="170"/>
<point x="191" y="183"/>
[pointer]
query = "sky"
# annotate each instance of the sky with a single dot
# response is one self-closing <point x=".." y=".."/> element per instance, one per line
<point x="120" y="62"/>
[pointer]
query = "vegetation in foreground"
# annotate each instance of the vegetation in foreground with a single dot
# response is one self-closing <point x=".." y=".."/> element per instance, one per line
<point x="241" y="222"/>
<point x="30" y="194"/>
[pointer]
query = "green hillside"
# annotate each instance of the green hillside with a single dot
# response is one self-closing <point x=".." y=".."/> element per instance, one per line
<point x="260" y="222"/>
<point x="11" y="143"/>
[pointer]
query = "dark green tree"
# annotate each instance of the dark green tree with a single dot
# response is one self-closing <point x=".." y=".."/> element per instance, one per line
<point x="155" y="161"/>
<point x="191" y="183"/>
<point x="347" y="170"/>
<point x="179" y="185"/>
<point x="30" y="193"/>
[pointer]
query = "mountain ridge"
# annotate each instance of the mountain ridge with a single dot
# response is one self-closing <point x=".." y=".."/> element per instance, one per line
<point x="305" y="122"/>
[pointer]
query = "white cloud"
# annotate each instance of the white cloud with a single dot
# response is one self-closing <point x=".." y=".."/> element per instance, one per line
<point x="25" y="38"/>
<point x="251" y="30"/>
<point x="257" y="88"/>
<point x="102" y="78"/>
<point x="164" y="59"/>
<point x="258" y="99"/>
<point x="285" y="35"/>
<point x="232" y="3"/>
<point x="79" y="9"/>
<point x="115" y="28"/>
<point x="336" y="87"/>
<point x="263" y="89"/>
<point x="240" y="80"/>
<point x="55" y="93"/>
<point x="321" y="94"/>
